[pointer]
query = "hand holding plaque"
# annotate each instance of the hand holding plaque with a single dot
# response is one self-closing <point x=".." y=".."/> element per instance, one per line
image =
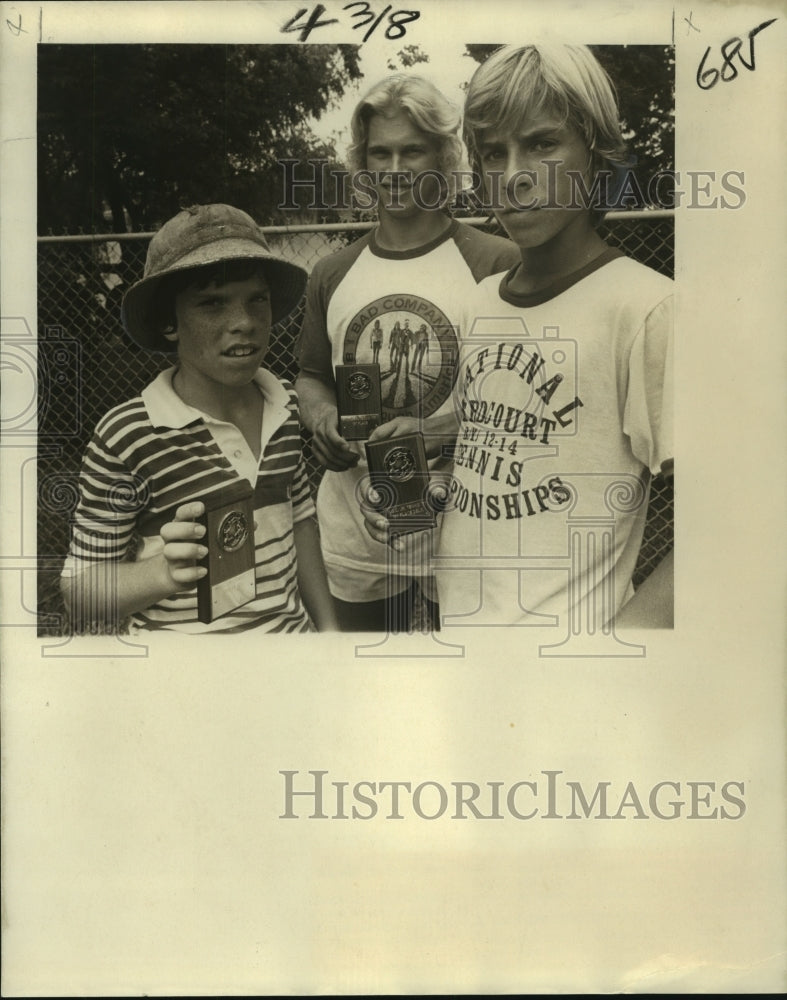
<point x="359" y="400"/>
<point x="400" y="475"/>
<point x="229" y="537"/>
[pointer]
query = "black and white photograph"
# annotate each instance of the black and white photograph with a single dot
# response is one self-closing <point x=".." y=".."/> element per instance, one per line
<point x="357" y="635"/>
<point x="508" y="439"/>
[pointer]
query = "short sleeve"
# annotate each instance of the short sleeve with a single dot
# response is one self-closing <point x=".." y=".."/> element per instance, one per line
<point x="300" y="490"/>
<point x="110" y="499"/>
<point x="302" y="500"/>
<point x="648" y="413"/>
<point x="314" y="345"/>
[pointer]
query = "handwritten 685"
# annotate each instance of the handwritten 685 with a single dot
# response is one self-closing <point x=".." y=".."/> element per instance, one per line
<point x="707" y="78"/>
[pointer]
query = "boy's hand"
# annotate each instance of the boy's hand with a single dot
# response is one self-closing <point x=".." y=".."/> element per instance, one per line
<point x="395" y="428"/>
<point x="182" y="547"/>
<point x="378" y="526"/>
<point x="375" y="522"/>
<point x="328" y="446"/>
<point x="438" y="432"/>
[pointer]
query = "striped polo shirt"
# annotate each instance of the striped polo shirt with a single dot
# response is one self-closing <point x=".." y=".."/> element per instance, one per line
<point x="152" y="454"/>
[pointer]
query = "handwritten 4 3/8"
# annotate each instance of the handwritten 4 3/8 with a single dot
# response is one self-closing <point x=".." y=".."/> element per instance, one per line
<point x="361" y="12"/>
<point x="707" y="78"/>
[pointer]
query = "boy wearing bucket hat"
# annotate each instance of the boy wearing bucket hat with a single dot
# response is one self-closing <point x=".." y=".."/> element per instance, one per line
<point x="211" y="291"/>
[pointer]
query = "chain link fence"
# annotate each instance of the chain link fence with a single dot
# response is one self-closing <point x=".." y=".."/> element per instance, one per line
<point x="86" y="364"/>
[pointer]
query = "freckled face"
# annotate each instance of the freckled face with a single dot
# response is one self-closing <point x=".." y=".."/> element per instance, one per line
<point x="532" y="199"/>
<point x="223" y="332"/>
<point x="394" y="144"/>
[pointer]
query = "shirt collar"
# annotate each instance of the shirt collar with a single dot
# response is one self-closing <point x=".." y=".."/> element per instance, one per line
<point x="166" y="408"/>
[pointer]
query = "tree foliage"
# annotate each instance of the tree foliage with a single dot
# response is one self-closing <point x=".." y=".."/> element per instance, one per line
<point x="128" y="134"/>
<point x="644" y="80"/>
<point x="406" y="58"/>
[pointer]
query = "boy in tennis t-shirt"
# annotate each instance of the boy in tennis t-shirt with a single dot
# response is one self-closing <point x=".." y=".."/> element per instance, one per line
<point x="564" y="389"/>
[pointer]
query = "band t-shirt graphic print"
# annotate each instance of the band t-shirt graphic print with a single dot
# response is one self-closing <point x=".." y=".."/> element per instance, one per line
<point x="399" y="309"/>
<point x="565" y="401"/>
<point x="415" y="345"/>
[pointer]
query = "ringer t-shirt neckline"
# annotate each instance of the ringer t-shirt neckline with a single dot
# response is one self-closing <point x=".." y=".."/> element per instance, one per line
<point x="413" y="252"/>
<point x="528" y="299"/>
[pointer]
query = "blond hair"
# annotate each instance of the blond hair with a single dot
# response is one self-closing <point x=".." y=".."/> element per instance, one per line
<point x="519" y="82"/>
<point x="429" y="109"/>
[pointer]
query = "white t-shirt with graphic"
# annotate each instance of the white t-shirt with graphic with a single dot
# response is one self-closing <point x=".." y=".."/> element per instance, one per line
<point x="565" y="399"/>
<point x="400" y="309"/>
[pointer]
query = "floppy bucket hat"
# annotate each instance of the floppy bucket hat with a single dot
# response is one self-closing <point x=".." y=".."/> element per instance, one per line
<point x="200" y="235"/>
